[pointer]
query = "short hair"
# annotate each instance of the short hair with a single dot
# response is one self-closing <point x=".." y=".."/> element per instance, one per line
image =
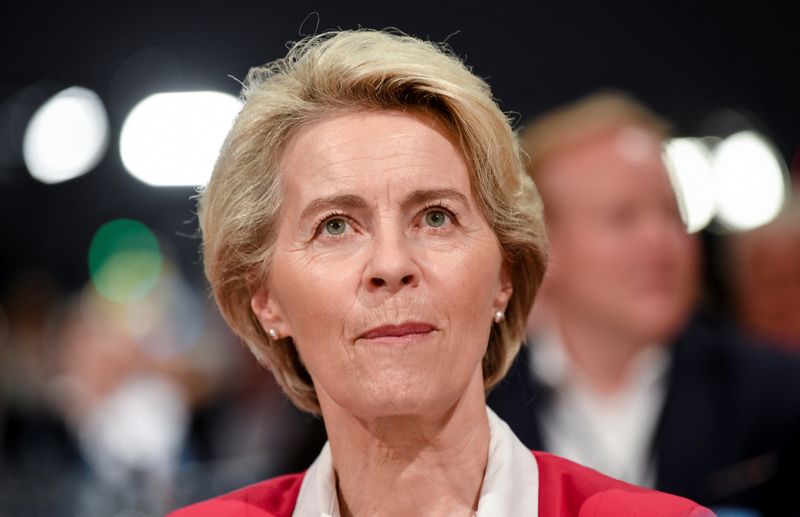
<point x="589" y="117"/>
<point x="346" y="71"/>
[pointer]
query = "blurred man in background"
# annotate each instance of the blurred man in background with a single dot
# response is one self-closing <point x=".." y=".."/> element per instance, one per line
<point x="619" y="376"/>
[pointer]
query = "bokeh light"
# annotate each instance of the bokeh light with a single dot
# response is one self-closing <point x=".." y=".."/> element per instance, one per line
<point x="66" y="137"/>
<point x="750" y="180"/>
<point x="739" y="180"/>
<point x="689" y="163"/>
<point x="173" y="139"/>
<point x="125" y="260"/>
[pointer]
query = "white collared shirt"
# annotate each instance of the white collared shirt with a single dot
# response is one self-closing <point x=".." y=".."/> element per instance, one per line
<point x="610" y="433"/>
<point x="510" y="485"/>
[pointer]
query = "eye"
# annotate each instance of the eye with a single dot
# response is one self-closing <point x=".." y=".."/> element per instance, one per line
<point x="335" y="226"/>
<point x="437" y="217"/>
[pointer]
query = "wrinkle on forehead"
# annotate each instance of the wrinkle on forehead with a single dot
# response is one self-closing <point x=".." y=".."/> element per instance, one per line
<point x="327" y="141"/>
<point x="612" y="168"/>
<point x="334" y="156"/>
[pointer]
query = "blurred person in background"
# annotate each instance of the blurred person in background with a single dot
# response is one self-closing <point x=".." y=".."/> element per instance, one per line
<point x="370" y="233"/>
<point x="111" y="418"/>
<point x="619" y="375"/>
<point x="124" y="406"/>
<point x="110" y="407"/>
<point x="763" y="274"/>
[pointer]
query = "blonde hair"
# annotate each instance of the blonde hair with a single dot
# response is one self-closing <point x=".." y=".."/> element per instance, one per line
<point x="589" y="117"/>
<point x="347" y="71"/>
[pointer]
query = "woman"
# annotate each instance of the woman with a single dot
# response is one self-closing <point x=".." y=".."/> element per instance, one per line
<point x="371" y="235"/>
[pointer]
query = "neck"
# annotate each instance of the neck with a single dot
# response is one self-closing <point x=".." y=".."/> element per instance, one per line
<point x="602" y="355"/>
<point x="410" y="464"/>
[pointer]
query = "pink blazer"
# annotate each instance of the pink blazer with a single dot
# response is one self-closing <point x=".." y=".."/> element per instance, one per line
<point x="566" y="489"/>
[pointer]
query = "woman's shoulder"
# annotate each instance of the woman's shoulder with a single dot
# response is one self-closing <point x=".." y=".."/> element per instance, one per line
<point x="272" y="498"/>
<point x="567" y="489"/>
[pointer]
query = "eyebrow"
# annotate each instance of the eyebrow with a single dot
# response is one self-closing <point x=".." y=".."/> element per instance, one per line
<point x="419" y="197"/>
<point x="352" y="201"/>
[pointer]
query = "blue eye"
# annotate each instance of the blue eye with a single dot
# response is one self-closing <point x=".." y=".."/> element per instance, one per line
<point x="436" y="218"/>
<point x="335" y="226"/>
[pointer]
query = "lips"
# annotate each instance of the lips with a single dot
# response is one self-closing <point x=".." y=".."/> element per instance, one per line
<point x="409" y="329"/>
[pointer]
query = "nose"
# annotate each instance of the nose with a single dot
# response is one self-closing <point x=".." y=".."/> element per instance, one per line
<point x="662" y="234"/>
<point x="391" y="264"/>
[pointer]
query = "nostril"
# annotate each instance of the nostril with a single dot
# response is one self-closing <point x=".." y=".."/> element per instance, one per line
<point x="378" y="282"/>
<point x="406" y="280"/>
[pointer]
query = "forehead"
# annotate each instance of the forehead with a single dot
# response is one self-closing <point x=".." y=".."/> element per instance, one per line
<point x="621" y="165"/>
<point x="363" y="150"/>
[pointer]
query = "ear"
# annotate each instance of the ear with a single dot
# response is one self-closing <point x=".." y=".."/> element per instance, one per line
<point x="269" y="313"/>
<point x="505" y="289"/>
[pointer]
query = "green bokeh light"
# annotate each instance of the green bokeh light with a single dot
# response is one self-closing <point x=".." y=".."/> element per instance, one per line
<point x="125" y="260"/>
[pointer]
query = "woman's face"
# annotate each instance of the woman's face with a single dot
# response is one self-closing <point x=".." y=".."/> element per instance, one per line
<point x="385" y="273"/>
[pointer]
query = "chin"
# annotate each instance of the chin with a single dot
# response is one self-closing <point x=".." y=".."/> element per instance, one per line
<point x="661" y="326"/>
<point x="399" y="400"/>
<point x="660" y="317"/>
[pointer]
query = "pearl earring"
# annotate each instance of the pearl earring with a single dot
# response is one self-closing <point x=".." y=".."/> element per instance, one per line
<point x="273" y="334"/>
<point x="499" y="316"/>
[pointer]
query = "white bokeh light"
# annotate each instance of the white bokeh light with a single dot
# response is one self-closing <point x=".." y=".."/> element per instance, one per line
<point x="66" y="137"/>
<point x="172" y="139"/>
<point x="750" y="181"/>
<point x="689" y="163"/>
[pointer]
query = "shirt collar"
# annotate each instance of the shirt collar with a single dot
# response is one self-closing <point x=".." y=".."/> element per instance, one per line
<point x="510" y="484"/>
<point x="551" y="365"/>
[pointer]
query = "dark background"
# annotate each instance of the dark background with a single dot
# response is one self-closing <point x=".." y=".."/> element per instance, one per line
<point x="686" y="60"/>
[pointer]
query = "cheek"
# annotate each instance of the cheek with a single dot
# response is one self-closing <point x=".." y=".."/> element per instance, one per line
<point x="465" y="283"/>
<point x="313" y="297"/>
<point x="594" y="260"/>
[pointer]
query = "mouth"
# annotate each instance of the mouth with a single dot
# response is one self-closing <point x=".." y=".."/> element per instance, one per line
<point x="409" y="331"/>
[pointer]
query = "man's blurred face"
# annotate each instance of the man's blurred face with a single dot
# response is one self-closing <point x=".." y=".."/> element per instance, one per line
<point x="621" y="256"/>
